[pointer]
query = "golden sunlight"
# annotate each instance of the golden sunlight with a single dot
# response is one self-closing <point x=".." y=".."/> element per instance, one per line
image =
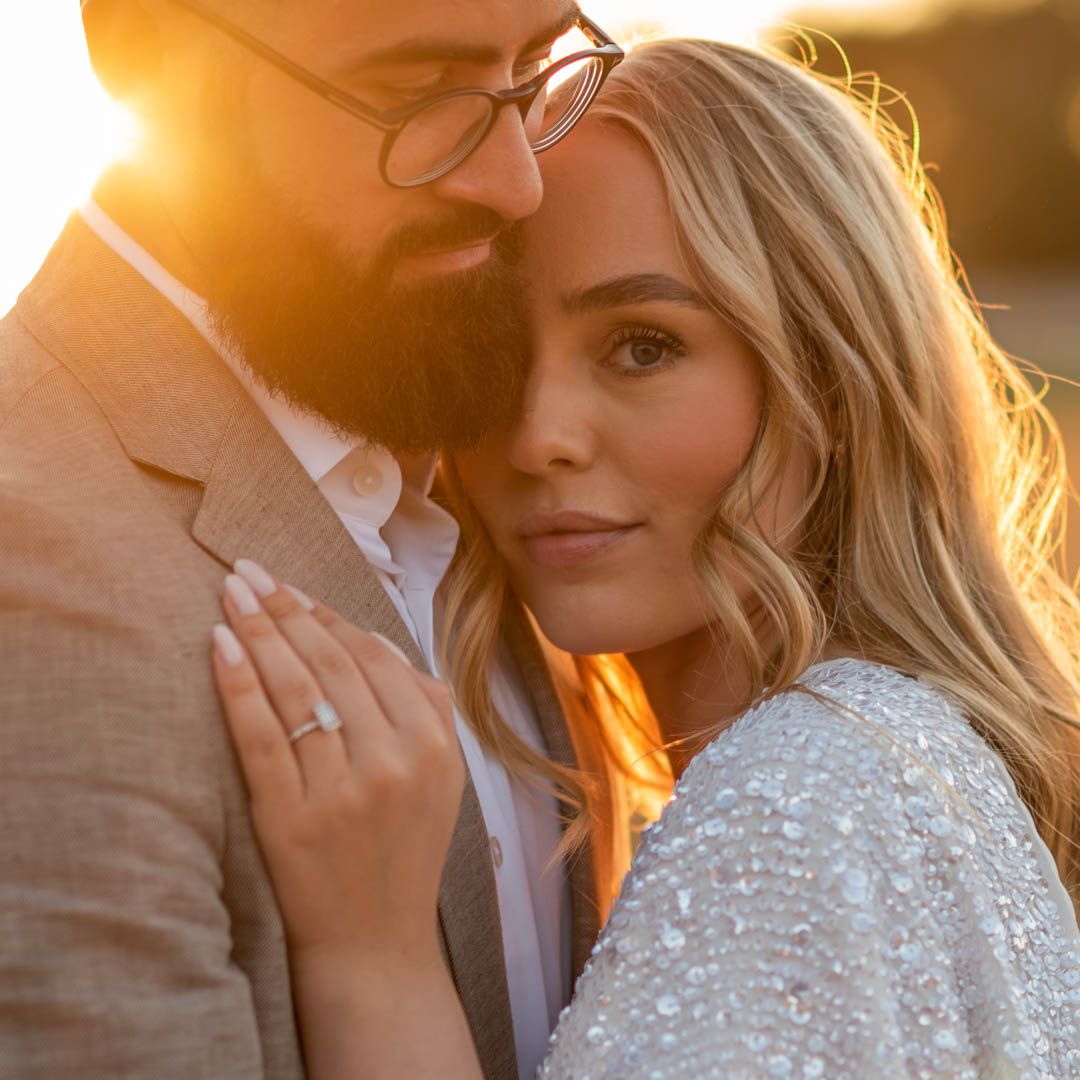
<point x="732" y="21"/>
<point x="59" y="130"/>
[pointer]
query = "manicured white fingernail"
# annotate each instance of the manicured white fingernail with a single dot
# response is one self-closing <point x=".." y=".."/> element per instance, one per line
<point x="395" y="649"/>
<point x="239" y="592"/>
<point x="262" y="582"/>
<point x="302" y="598"/>
<point x="228" y="645"/>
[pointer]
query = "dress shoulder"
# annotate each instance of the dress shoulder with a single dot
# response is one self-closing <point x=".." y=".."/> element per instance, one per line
<point x="844" y="885"/>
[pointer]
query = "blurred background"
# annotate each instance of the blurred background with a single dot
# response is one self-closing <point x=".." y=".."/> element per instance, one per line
<point x="995" y="84"/>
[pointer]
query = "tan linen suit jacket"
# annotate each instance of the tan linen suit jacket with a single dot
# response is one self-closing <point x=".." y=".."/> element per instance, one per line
<point x="139" y="936"/>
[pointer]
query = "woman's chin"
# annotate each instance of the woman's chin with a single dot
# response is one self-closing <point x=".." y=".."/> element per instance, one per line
<point x="584" y="637"/>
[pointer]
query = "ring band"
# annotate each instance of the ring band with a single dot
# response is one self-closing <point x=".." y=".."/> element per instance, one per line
<point x="326" y="719"/>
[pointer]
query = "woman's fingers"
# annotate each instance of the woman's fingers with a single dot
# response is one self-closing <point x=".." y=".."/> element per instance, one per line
<point x="335" y="671"/>
<point x="393" y="715"/>
<point x="343" y="877"/>
<point x="438" y="693"/>
<point x="289" y="685"/>
<point x="407" y="696"/>
<point x="419" y="707"/>
<point x="442" y="701"/>
<point x="270" y="768"/>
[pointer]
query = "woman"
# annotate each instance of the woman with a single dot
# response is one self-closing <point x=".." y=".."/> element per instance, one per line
<point x="768" y="453"/>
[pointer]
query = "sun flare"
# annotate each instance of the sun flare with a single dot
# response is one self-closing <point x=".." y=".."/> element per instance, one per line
<point x="61" y="129"/>
<point x="739" y="21"/>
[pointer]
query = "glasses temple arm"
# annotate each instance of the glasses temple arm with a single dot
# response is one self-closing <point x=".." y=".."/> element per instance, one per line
<point x="279" y="60"/>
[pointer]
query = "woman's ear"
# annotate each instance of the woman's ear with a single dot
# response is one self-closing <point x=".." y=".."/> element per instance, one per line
<point x="124" y="45"/>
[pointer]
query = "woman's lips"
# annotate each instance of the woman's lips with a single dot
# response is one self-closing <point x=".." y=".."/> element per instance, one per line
<point x="569" y="538"/>
<point x="559" y="551"/>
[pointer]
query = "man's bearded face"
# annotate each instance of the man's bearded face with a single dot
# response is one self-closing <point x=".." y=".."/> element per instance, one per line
<point x="412" y="364"/>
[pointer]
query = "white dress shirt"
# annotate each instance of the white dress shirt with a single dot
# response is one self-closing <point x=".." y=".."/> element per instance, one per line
<point x="409" y="541"/>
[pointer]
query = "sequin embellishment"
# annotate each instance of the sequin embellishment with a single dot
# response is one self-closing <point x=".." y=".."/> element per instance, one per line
<point x="849" y="893"/>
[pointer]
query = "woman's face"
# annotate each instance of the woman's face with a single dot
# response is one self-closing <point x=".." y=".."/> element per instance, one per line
<point x="640" y="408"/>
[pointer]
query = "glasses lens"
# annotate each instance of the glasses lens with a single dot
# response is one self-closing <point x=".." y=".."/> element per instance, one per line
<point x="438" y="138"/>
<point x="563" y="101"/>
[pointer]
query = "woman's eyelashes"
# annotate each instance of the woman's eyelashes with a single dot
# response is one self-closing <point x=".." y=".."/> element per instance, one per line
<point x="643" y="350"/>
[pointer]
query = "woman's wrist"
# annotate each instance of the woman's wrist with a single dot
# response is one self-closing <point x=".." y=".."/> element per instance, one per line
<point x="337" y="970"/>
<point x="381" y="1012"/>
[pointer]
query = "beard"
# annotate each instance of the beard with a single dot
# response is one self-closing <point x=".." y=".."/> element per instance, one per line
<point x="414" y="367"/>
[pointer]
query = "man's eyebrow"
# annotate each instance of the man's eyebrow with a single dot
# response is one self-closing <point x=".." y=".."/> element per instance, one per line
<point x="554" y="31"/>
<point x="429" y="50"/>
<point x="633" y="289"/>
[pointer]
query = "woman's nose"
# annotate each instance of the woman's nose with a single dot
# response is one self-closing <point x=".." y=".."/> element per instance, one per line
<point x="556" y="428"/>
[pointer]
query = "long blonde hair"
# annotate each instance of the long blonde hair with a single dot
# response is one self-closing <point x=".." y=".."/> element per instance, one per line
<point x="930" y="536"/>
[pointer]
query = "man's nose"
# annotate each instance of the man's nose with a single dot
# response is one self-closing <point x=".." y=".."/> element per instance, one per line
<point x="500" y="174"/>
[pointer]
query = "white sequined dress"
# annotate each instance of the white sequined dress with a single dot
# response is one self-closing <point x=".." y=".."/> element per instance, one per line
<point x="850" y="891"/>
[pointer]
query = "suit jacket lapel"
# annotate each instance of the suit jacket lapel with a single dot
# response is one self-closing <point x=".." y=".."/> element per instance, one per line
<point x="259" y="503"/>
<point x="175" y="406"/>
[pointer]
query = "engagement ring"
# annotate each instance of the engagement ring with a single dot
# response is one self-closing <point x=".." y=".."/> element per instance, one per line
<point x="326" y="719"/>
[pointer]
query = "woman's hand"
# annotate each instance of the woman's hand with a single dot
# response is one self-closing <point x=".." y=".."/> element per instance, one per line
<point x="355" y="823"/>
<point x="354" y="815"/>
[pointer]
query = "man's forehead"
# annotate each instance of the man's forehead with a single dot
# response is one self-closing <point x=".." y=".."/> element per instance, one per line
<point x="485" y="31"/>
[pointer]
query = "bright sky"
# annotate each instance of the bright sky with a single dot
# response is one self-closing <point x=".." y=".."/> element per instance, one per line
<point x="59" y="129"/>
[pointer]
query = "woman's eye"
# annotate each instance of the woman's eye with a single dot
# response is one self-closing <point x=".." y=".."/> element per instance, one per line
<point x="646" y="353"/>
<point x="636" y="352"/>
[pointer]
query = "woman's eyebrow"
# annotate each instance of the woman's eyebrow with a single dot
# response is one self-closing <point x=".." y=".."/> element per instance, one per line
<point x="632" y="289"/>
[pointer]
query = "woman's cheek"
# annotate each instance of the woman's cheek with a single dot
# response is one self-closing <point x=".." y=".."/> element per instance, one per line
<point x="698" y="454"/>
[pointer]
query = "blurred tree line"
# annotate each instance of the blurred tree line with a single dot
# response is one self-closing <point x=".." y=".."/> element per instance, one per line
<point x="997" y="94"/>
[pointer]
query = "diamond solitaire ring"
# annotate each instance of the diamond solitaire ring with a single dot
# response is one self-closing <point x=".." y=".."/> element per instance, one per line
<point x="326" y="719"/>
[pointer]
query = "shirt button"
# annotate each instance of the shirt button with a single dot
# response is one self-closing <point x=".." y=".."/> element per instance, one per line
<point x="367" y="480"/>
<point x="496" y="852"/>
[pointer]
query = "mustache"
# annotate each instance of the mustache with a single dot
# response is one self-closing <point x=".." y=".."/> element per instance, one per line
<point x="464" y="228"/>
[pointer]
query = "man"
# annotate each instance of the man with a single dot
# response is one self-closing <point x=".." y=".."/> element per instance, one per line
<point x="251" y="342"/>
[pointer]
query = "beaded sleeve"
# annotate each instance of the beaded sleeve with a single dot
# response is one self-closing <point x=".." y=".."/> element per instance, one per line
<point x="845" y="885"/>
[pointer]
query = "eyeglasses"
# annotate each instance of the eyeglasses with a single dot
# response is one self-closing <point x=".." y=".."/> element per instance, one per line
<point x="426" y="139"/>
